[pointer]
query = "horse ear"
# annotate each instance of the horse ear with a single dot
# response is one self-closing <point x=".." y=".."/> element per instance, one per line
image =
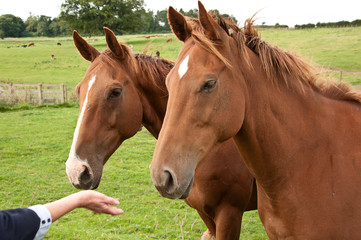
<point x="179" y="25"/>
<point x="85" y="49"/>
<point x="208" y="23"/>
<point x="118" y="49"/>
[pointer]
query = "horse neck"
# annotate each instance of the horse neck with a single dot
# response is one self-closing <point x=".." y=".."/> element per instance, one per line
<point x="277" y="131"/>
<point x="153" y="92"/>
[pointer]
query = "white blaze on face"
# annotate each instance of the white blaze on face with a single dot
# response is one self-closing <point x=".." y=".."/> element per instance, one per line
<point x="183" y="67"/>
<point x="72" y="154"/>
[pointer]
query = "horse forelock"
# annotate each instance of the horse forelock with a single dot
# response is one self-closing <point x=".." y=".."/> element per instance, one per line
<point x="277" y="63"/>
<point x="136" y="64"/>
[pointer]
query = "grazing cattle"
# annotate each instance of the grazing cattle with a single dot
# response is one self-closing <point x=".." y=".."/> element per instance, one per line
<point x="169" y="40"/>
<point x="59" y="44"/>
<point x="147" y="36"/>
<point x="31" y="44"/>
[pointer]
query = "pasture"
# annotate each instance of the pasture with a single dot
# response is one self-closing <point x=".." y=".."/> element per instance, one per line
<point x="35" y="141"/>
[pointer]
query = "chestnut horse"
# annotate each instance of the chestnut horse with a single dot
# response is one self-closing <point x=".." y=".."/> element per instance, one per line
<point x="299" y="136"/>
<point x="122" y="91"/>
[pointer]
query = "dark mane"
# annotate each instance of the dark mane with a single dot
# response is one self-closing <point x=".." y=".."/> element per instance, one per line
<point x="276" y="62"/>
<point x="156" y="69"/>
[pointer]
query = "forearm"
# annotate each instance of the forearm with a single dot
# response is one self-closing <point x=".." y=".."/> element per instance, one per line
<point x="62" y="206"/>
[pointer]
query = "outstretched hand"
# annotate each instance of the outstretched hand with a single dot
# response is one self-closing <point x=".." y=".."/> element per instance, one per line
<point x="99" y="203"/>
<point x="89" y="199"/>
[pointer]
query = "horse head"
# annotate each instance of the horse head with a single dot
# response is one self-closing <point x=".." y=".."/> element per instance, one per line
<point x="110" y="109"/>
<point x="205" y="107"/>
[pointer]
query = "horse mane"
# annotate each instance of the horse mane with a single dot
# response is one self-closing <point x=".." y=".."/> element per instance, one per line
<point x="155" y="69"/>
<point x="277" y="63"/>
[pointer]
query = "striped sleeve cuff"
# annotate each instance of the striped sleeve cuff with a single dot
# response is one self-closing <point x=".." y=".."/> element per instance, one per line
<point x="45" y="220"/>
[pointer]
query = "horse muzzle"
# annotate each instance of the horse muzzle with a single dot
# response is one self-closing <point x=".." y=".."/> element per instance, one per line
<point x="81" y="175"/>
<point x="168" y="186"/>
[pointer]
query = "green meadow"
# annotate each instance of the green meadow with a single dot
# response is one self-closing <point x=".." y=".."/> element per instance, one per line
<point x="35" y="141"/>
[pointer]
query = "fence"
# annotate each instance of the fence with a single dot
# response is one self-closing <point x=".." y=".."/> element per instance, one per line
<point x="33" y="93"/>
<point x="340" y="73"/>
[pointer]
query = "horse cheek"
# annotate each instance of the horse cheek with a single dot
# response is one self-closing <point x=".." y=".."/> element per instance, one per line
<point x="230" y="118"/>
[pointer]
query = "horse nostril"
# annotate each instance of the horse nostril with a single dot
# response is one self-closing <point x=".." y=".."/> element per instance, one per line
<point x="85" y="177"/>
<point x="169" y="184"/>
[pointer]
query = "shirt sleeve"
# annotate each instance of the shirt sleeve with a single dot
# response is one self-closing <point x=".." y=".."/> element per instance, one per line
<point x="45" y="220"/>
<point x="18" y="224"/>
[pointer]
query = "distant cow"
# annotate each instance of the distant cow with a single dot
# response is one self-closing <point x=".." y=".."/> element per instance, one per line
<point x="147" y="36"/>
<point x="52" y="56"/>
<point x="24" y="46"/>
<point x="31" y="44"/>
<point x="157" y="53"/>
<point x="59" y="44"/>
<point x="169" y="40"/>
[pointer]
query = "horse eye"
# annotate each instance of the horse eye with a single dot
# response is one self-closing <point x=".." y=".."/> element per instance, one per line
<point x="114" y="93"/>
<point x="209" y="85"/>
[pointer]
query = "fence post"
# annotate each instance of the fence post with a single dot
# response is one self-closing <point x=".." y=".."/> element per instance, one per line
<point x="62" y="100"/>
<point x="11" y="93"/>
<point x="40" y="94"/>
<point x="340" y="76"/>
<point x="66" y="93"/>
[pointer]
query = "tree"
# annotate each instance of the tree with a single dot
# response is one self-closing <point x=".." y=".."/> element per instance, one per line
<point x="150" y="23"/>
<point x="32" y="23"/>
<point x="57" y="27"/>
<point x="43" y="26"/>
<point x="11" y="26"/>
<point x="162" y="21"/>
<point x="89" y="16"/>
<point x="191" y="13"/>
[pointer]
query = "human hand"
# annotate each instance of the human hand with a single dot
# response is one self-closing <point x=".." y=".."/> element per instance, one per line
<point x="98" y="202"/>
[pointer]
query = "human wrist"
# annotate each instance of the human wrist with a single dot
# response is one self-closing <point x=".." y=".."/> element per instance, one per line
<point x="82" y="198"/>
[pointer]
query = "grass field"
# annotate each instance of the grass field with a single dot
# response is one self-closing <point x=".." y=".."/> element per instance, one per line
<point x="335" y="48"/>
<point x="34" y="145"/>
<point x="35" y="141"/>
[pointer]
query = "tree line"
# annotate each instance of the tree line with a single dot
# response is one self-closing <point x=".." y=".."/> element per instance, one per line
<point x="355" y="23"/>
<point x="89" y="17"/>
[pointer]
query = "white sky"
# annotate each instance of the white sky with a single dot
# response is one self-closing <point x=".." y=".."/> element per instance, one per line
<point x="273" y="11"/>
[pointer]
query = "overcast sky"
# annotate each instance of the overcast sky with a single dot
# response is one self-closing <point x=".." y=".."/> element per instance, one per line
<point x="273" y="11"/>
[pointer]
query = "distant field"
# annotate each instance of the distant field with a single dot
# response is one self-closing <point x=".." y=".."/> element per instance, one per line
<point x="335" y="48"/>
<point x="34" y="64"/>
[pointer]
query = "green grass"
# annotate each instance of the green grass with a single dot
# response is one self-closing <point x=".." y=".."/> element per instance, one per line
<point x="335" y="48"/>
<point x="338" y="48"/>
<point x="35" y="141"/>
<point x="34" y="145"/>
<point x="34" y="64"/>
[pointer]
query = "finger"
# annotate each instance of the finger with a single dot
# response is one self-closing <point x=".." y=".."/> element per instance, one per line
<point x="112" y="201"/>
<point x="114" y="211"/>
